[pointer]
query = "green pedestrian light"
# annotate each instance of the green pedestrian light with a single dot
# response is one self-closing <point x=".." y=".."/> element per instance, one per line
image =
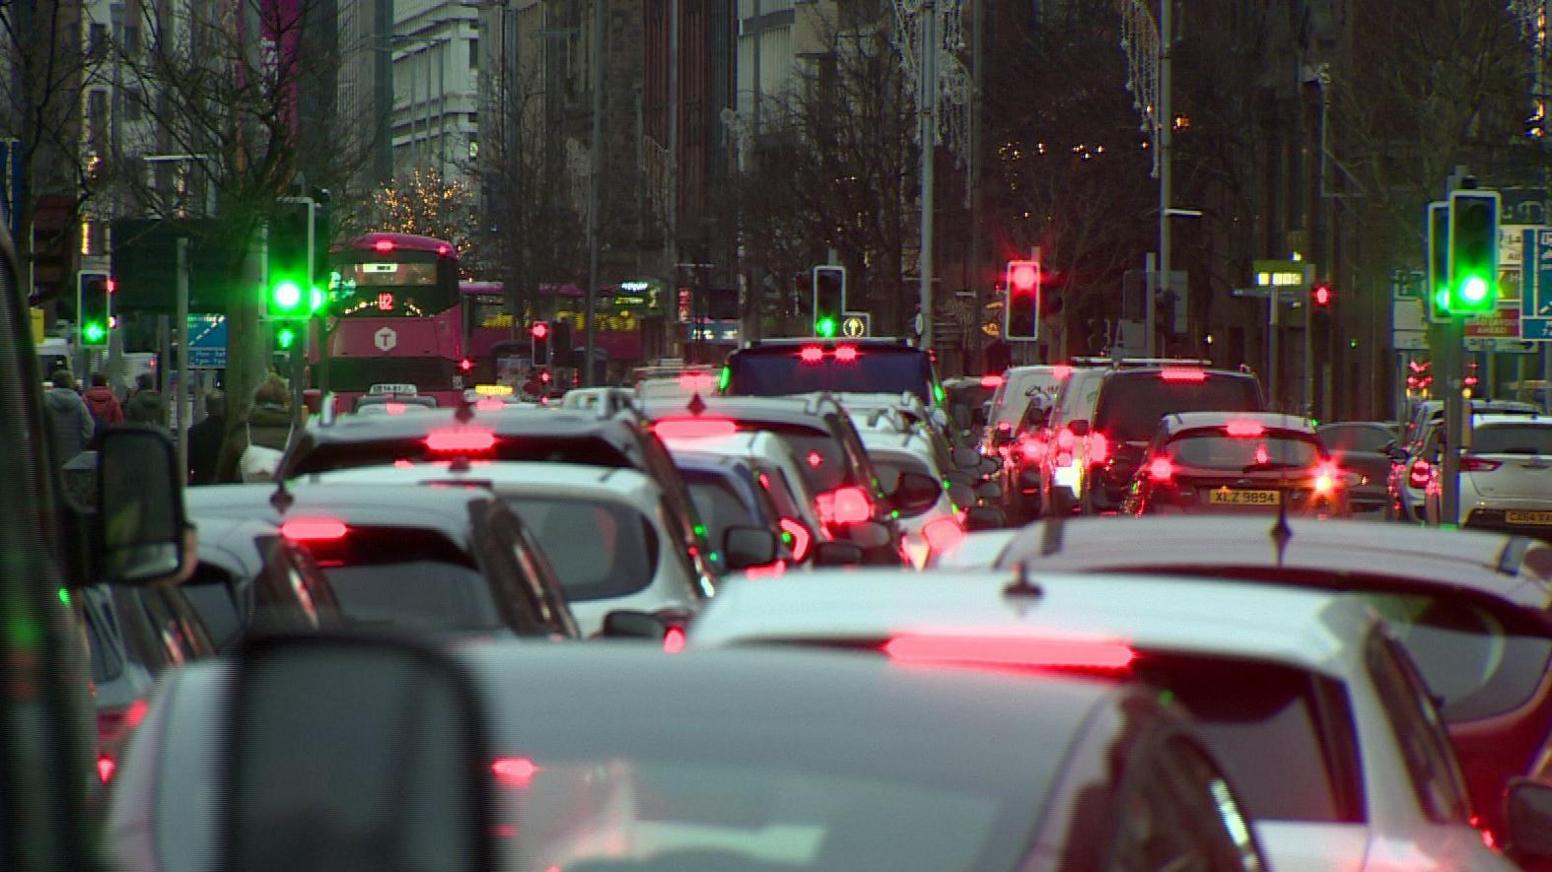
<point x="825" y="327"/>
<point x="285" y="337"/>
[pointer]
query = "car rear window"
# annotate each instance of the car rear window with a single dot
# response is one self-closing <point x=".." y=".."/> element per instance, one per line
<point x="1131" y="403"/>
<point x="407" y="577"/>
<point x="1356" y="438"/>
<point x="618" y="558"/>
<point x="875" y="370"/>
<point x="588" y="450"/>
<point x="891" y="464"/>
<point x="1512" y="439"/>
<point x="1209" y="449"/>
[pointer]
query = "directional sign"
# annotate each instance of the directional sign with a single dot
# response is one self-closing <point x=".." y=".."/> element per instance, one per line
<point x="855" y="325"/>
<point x="207" y="342"/>
<point x="1536" y="285"/>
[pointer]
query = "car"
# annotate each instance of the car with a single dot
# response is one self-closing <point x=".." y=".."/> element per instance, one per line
<point x="424" y="560"/>
<point x="633" y="558"/>
<point x="1363" y="447"/>
<point x="783" y="367"/>
<point x="1315" y="712"/>
<point x="604" y="759"/>
<point x="1415" y="468"/>
<point x="1236" y="462"/>
<point x="729" y="497"/>
<point x="1105" y="418"/>
<point x="901" y="454"/>
<point x="612" y="435"/>
<point x="1472" y="608"/>
<point x="966" y="399"/>
<point x="978" y="549"/>
<point x="1018" y="385"/>
<point x="1505" y="477"/>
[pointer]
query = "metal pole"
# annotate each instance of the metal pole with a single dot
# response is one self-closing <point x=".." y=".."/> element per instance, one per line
<point x="928" y="105"/>
<point x="977" y="54"/>
<point x="1309" y="345"/>
<point x="673" y="146"/>
<point x="1454" y="420"/>
<point x="425" y="143"/>
<point x="1150" y="317"/>
<point x="182" y="330"/>
<point x="1166" y="146"/>
<point x="1273" y="304"/>
<point x="590" y="306"/>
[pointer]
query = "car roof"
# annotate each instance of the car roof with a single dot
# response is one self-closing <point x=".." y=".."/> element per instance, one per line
<point x="785" y="342"/>
<point x="1179" y="421"/>
<point x="1313" y="629"/>
<point x="445" y="510"/>
<point x="1317" y="553"/>
<point x="231" y="543"/>
<point x="503" y="476"/>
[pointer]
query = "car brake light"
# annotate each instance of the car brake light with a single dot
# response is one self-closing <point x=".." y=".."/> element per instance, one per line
<point x="673" y="640"/>
<point x="1327" y="477"/>
<point x="1472" y="463"/>
<point x="1244" y="429"/>
<point x="696" y="381"/>
<point x="1065" y="439"/>
<point x="1025" y="652"/>
<point x="490" y="404"/>
<point x="1183" y="374"/>
<point x="991" y="381"/>
<point x="383" y="245"/>
<point x="811" y="354"/>
<point x="1099" y="448"/>
<point x="514" y="771"/>
<point x="460" y="440"/>
<point x="1033" y="449"/>
<point x="694" y="428"/>
<point x="1420" y="473"/>
<point x="393" y="408"/>
<point x="760" y="573"/>
<point x="1061" y="371"/>
<point x="801" y="538"/>
<point x="1161" y="470"/>
<point x="106" y="766"/>
<point x="312" y="529"/>
<point x="846" y="354"/>
<point x="942" y="534"/>
<point x="847" y="505"/>
<point x="815" y="459"/>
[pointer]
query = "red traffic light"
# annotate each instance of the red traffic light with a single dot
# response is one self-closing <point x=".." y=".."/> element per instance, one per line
<point x="466" y="365"/>
<point x="1022" y="275"/>
<point x="1321" y="295"/>
<point x="113" y="285"/>
<point x="539" y="330"/>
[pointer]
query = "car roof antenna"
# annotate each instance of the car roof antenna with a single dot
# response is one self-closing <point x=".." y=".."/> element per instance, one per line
<point x="281" y="499"/>
<point x="1022" y="586"/>
<point x="1281" y="533"/>
<point x="1051" y="540"/>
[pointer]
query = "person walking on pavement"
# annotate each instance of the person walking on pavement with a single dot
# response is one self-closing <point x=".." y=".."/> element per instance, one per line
<point x="103" y="405"/>
<point x="146" y="407"/>
<point x="205" y="440"/>
<point x="69" y="420"/>
<point x="269" y="431"/>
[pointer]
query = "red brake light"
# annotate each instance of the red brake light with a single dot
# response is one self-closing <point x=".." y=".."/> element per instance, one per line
<point x="135" y="714"/>
<point x="801" y="538"/>
<point x="106" y="766"/>
<point x="1065" y="439"/>
<point x="811" y="354"/>
<point x="673" y="640"/>
<point x="846" y="354"/>
<point x="514" y="771"/>
<point x="1244" y="429"/>
<point x="460" y="439"/>
<point x="466" y="365"/>
<point x="847" y="505"/>
<point x="815" y="459"/>
<point x="313" y="529"/>
<point x="1472" y="463"/>
<point x="677" y="429"/>
<point x="1161" y="470"/>
<point x="1183" y="374"/>
<point x="1032" y="449"/>
<point x="1028" y="652"/>
<point x="696" y="381"/>
<point x="444" y="250"/>
<point x="758" y="573"/>
<point x="383" y="245"/>
<point x="1420" y="473"/>
<point x="991" y="381"/>
<point x="1061" y="371"/>
<point x="1099" y="448"/>
<point x="942" y="534"/>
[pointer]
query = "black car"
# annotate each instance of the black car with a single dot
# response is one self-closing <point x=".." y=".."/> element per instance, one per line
<point x="430" y="560"/>
<point x="783" y="367"/>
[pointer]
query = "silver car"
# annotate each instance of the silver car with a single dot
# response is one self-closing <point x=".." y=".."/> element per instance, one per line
<point x="1505" y="476"/>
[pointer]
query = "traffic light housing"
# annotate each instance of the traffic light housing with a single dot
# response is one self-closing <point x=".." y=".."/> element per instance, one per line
<point x="1436" y="297"/>
<point x="293" y="292"/>
<point x="1473" y="256"/>
<point x="1021" y="317"/>
<point x="539" y="332"/>
<point x="829" y="300"/>
<point x="94" y="308"/>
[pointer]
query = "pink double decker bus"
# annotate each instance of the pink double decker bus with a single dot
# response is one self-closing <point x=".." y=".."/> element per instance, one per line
<point x="397" y="316"/>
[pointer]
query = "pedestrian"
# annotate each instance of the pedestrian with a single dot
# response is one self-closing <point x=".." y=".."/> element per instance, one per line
<point x="205" y="440"/>
<point x="147" y="407"/>
<point x="269" y="421"/>
<point x="70" y="422"/>
<point x="104" y="406"/>
<point x="144" y="382"/>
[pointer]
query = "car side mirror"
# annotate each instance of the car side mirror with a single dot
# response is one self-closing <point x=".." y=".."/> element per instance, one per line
<point x="966" y="458"/>
<point x="868" y="534"/>
<point x="632" y="624"/>
<point x="915" y="492"/>
<point x="1079" y="429"/>
<point x="989" y="490"/>
<point x="1530" y="819"/>
<point x="984" y="518"/>
<point x="331" y="740"/>
<point x="837" y="554"/>
<point x="743" y="547"/>
<point x="1397" y="453"/>
<point x="140" y="512"/>
<point x="962" y="495"/>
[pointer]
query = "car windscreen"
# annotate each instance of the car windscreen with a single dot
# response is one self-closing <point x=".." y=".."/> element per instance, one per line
<point x="822" y="457"/>
<point x="874" y="370"/>
<point x="587" y="450"/>
<point x="406" y="577"/>
<point x="599" y="549"/>
<point x="1243" y="708"/>
<point x="1512" y="439"/>
<point x="1131" y="403"/>
<point x="1356" y="437"/>
<point x="1208" y="449"/>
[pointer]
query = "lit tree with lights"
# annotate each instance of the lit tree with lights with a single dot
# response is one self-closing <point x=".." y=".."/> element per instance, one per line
<point x="427" y="204"/>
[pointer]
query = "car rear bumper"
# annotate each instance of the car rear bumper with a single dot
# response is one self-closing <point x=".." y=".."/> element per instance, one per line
<point x="1528" y="518"/>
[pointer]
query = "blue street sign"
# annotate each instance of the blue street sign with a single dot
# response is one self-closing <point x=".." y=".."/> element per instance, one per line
<point x="1536" y="285"/>
<point x="207" y="342"/>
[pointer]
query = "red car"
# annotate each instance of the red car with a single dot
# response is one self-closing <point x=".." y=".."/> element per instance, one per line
<point x="1472" y="608"/>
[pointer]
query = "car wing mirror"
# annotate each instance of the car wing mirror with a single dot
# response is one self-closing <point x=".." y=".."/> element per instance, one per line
<point x="355" y="753"/>
<point x="915" y="492"/>
<point x="1529" y="804"/>
<point x="837" y="554"/>
<point x="984" y="518"/>
<point x="140" y="517"/>
<point x="632" y="624"/>
<point x="743" y="547"/>
<point x="868" y="534"/>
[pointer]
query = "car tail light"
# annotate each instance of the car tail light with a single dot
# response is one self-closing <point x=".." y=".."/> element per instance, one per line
<point x="846" y="354"/>
<point x="696" y="381"/>
<point x="490" y="404"/>
<point x="991" y="381"/>
<point x="450" y="440"/>
<point x="1065" y="439"/>
<point x="313" y="529"/>
<point x="106" y="766"/>
<point x="1327" y="478"/>
<point x="1472" y="463"/>
<point x="847" y="505"/>
<point x="1420" y="473"/>
<point x="1101" y="655"/>
<point x="1244" y="429"/>
<point x="673" y="640"/>
<point x="760" y="573"/>
<point x="801" y="538"/>
<point x="514" y="771"/>
<point x="1032" y="449"/>
<point x="1161" y="470"/>
<point x="1183" y="374"/>
<point x="815" y="459"/>
<point x="393" y="408"/>
<point x="942" y="534"/>
<point x="811" y="354"/>
<point x="1099" y="448"/>
<point x="694" y="428"/>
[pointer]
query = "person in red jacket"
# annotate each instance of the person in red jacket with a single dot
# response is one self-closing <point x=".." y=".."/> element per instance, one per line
<point x="101" y="402"/>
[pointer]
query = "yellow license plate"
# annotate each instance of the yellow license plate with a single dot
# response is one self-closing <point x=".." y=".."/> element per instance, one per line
<point x="1227" y="497"/>
<point x="1538" y="519"/>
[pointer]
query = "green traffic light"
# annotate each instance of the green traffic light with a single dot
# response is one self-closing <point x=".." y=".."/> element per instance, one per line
<point x="94" y="332"/>
<point x="316" y="300"/>
<point x="1474" y="290"/>
<point x="825" y="327"/>
<point x="286" y="297"/>
<point x="1441" y="299"/>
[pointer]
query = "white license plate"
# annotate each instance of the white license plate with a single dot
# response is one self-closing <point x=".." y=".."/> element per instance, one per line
<point x="393" y="388"/>
<point x="1229" y="497"/>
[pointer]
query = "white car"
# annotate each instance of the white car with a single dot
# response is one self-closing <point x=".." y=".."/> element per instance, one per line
<point x="603" y="529"/>
<point x="1505" y="477"/>
<point x="894" y="452"/>
<point x="1316" y="714"/>
<point x="980" y="549"/>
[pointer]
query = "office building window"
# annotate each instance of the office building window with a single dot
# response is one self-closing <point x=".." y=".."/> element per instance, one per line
<point x="474" y="53"/>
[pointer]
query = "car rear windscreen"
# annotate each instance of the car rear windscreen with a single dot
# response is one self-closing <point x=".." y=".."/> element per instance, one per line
<point x="1131" y="403"/>
<point x="1207" y="449"/>
<point x="406" y="577"/>
<point x="773" y="372"/>
<point x="1512" y="439"/>
<point x="618" y="558"/>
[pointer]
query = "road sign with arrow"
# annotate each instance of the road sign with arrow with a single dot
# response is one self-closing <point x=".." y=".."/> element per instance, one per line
<point x="1536" y="285"/>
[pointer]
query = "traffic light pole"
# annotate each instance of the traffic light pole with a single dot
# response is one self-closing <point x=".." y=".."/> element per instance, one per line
<point x="1309" y="344"/>
<point x="181" y="330"/>
<point x="1454" y="420"/>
